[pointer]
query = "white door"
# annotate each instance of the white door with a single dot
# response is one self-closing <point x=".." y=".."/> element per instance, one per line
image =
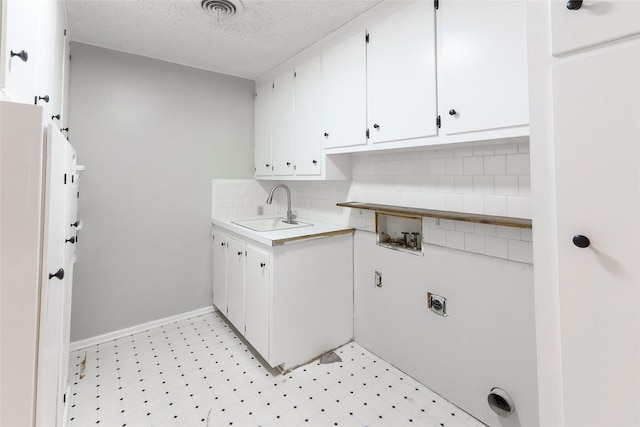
<point x="482" y="65"/>
<point x="401" y="75"/>
<point x="21" y="27"/>
<point x="220" y="271"/>
<point x="54" y="281"/>
<point x="595" y="22"/>
<point x="235" y="283"/>
<point x="597" y="135"/>
<point x="257" y="300"/>
<point x="344" y="89"/>
<point x="263" y="124"/>
<point x="308" y="129"/>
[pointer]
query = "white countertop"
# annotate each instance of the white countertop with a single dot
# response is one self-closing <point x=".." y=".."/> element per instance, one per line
<point x="280" y="237"/>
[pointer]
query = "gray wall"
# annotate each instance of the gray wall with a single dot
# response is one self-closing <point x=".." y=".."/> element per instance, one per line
<point x="152" y="135"/>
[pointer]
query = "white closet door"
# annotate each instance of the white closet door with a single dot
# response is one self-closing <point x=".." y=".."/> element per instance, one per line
<point x="52" y="302"/>
<point x="597" y="139"/>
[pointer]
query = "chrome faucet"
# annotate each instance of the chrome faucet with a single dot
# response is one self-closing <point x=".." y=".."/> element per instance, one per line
<point x="290" y="215"/>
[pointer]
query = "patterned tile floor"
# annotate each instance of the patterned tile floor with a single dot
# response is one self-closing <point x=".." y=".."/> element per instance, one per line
<point x="197" y="372"/>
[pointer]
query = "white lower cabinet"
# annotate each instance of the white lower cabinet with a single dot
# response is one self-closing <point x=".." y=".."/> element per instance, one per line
<point x="291" y="302"/>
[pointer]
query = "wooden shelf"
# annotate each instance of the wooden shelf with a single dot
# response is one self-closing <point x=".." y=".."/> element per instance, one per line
<point x="455" y="216"/>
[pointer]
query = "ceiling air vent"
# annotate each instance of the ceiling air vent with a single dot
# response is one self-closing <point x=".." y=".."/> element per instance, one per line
<point x="219" y="8"/>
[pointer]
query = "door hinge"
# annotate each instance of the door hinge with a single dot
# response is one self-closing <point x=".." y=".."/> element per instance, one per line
<point x="65" y="178"/>
<point x="294" y="167"/>
<point x="436" y="4"/>
<point x="273" y="85"/>
<point x="367" y="134"/>
<point x="366" y="38"/>
<point x="65" y="32"/>
<point x="438" y="122"/>
<point x="295" y="74"/>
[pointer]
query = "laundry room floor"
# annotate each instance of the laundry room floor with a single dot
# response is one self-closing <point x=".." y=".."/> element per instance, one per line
<point x="197" y="372"/>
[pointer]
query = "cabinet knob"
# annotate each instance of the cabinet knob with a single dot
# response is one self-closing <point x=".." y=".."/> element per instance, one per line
<point x="222" y="244"/>
<point x="288" y="163"/>
<point x="72" y="240"/>
<point x="581" y="241"/>
<point x="58" y="274"/>
<point x="22" y="55"/>
<point x="267" y="165"/>
<point x="41" y="98"/>
<point x="65" y="129"/>
<point x="262" y="264"/>
<point x="574" y="4"/>
<point x="239" y="253"/>
<point x="315" y="162"/>
<point x="452" y="112"/>
<point x="75" y="224"/>
<point x="326" y="135"/>
<point x="376" y="126"/>
<point x="57" y="117"/>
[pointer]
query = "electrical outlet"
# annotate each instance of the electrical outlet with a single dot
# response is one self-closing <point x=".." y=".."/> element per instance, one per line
<point x="377" y="279"/>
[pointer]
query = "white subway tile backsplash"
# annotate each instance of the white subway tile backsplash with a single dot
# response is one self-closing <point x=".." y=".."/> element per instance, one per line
<point x="518" y="164"/>
<point x="496" y="247"/>
<point x="490" y="180"/>
<point x="520" y="250"/>
<point x="519" y="207"/>
<point x="473" y="203"/>
<point x="495" y="165"/>
<point x="474" y="243"/>
<point x="473" y="166"/>
<point x="463" y="184"/>
<point x="455" y="202"/>
<point x="483" y="185"/>
<point x="508" y="232"/>
<point x="495" y="205"/>
<point x="507" y="186"/>
<point x="506" y="149"/>
<point x="437" y="166"/>
<point x="454" y="166"/>
<point x="455" y="239"/>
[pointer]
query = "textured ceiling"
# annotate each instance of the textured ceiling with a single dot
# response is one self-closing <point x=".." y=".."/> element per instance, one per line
<point x="249" y="44"/>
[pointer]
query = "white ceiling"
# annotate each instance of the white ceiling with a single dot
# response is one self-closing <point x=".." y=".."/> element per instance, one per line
<point x="249" y="44"/>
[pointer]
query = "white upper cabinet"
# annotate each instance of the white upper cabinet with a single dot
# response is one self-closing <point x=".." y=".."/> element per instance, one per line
<point x="263" y="116"/>
<point x="482" y="65"/>
<point x="401" y="75"/>
<point x="594" y="22"/>
<point x="282" y="137"/>
<point x="51" y="61"/>
<point x="344" y="91"/>
<point x="307" y="124"/>
<point x="20" y="51"/>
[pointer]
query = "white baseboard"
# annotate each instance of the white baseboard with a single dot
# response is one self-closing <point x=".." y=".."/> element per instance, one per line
<point x="89" y="342"/>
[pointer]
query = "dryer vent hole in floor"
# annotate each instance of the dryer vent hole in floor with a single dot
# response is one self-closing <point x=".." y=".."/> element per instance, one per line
<point x="198" y="372"/>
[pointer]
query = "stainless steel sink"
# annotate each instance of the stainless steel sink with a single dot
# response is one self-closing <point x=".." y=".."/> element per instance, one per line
<point x="269" y="224"/>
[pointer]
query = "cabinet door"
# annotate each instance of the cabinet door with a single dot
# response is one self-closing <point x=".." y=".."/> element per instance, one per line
<point x="235" y="283"/>
<point x="53" y="289"/>
<point x="308" y="129"/>
<point x="282" y="141"/>
<point x="482" y="65"/>
<point x="263" y="120"/>
<point x="595" y="22"/>
<point x="50" y="59"/>
<point x="597" y="134"/>
<point x="344" y="91"/>
<point x="220" y="271"/>
<point x="401" y="75"/>
<point x="257" y="299"/>
<point x="21" y="27"/>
